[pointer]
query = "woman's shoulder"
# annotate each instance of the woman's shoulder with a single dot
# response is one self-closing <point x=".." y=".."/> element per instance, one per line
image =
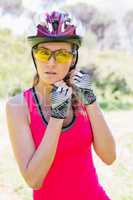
<point x="17" y="100"/>
<point x="17" y="104"/>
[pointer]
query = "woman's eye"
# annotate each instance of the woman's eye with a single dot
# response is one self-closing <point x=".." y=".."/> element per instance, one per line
<point x="65" y="54"/>
<point x="43" y="51"/>
<point x="46" y="52"/>
<point x="62" y="54"/>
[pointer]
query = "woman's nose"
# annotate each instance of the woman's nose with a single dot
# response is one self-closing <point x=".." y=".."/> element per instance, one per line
<point x="52" y="60"/>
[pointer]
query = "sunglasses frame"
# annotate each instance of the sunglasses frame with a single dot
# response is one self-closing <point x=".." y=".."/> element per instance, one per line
<point x="52" y="53"/>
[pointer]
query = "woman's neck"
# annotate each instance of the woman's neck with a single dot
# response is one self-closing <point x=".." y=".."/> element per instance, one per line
<point x="43" y="93"/>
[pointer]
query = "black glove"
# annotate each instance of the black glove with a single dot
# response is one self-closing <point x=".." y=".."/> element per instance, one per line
<point x="81" y="81"/>
<point x="60" y="100"/>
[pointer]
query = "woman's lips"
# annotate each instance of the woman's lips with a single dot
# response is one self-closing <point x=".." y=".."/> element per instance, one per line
<point x="50" y="72"/>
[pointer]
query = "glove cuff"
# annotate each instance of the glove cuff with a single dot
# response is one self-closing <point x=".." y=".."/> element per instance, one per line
<point x="88" y="97"/>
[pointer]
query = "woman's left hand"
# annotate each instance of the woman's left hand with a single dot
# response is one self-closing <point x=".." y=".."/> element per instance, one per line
<point x="81" y="82"/>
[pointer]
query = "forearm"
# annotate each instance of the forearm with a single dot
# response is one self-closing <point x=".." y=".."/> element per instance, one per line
<point x="43" y="157"/>
<point x="104" y="143"/>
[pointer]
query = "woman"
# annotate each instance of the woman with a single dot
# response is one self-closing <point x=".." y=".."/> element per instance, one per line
<point x="50" y="135"/>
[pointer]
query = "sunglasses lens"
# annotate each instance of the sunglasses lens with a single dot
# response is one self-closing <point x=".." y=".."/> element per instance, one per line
<point x="42" y="54"/>
<point x="63" y="57"/>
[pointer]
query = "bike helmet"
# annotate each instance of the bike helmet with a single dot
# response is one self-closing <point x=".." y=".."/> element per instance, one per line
<point x="56" y="26"/>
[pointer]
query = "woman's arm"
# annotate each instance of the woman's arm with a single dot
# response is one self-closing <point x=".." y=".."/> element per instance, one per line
<point x="43" y="157"/>
<point x="104" y="143"/>
<point x="33" y="163"/>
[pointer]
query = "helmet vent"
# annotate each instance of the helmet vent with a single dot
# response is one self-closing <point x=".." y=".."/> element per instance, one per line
<point x="55" y="25"/>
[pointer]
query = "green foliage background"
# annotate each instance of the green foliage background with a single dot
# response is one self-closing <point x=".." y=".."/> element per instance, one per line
<point x="113" y="71"/>
<point x="16" y="69"/>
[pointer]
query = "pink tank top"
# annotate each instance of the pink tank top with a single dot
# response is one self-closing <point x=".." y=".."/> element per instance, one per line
<point x="72" y="174"/>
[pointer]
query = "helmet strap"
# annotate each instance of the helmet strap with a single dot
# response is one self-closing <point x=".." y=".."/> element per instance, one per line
<point x="33" y="58"/>
<point x="75" y="63"/>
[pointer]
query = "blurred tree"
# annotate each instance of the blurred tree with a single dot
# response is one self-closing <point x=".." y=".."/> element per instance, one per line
<point x="93" y="20"/>
<point x="128" y="22"/>
<point x="48" y="4"/>
<point x="11" y="7"/>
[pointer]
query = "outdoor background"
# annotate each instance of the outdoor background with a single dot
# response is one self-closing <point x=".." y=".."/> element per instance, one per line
<point x="107" y="50"/>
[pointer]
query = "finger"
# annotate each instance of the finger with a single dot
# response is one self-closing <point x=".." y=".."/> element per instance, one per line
<point x="69" y="91"/>
<point x="59" y="83"/>
<point x="61" y="89"/>
<point x="74" y="72"/>
<point x="84" y="70"/>
<point x="75" y="78"/>
<point x="66" y="91"/>
<point x="71" y="72"/>
<point x="75" y="84"/>
<point x="88" y="75"/>
<point x="78" y="73"/>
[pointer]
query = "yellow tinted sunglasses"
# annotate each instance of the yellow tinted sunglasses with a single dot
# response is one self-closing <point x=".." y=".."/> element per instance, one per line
<point x="61" y="56"/>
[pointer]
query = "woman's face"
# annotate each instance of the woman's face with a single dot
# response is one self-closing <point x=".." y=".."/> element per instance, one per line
<point x="59" y="70"/>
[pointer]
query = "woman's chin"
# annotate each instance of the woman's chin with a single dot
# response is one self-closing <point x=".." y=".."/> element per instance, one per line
<point x="50" y="81"/>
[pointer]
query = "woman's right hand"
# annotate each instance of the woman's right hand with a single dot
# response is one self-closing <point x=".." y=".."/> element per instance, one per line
<point x="60" y="100"/>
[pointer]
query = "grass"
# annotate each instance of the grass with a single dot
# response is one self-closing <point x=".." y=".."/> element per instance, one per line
<point x="117" y="179"/>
